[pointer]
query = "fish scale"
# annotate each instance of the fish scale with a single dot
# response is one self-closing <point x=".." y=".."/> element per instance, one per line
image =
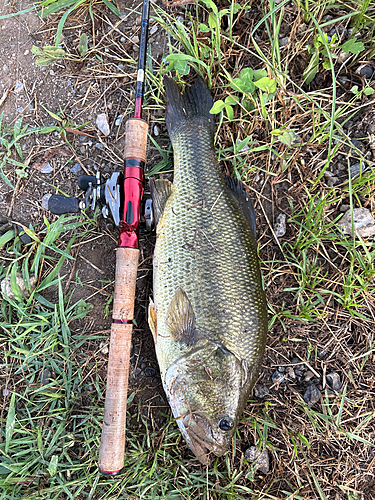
<point x="206" y="247"/>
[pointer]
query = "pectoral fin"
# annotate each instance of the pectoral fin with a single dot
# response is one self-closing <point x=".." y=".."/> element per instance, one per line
<point x="160" y="191"/>
<point x="180" y="319"/>
<point x="152" y="320"/>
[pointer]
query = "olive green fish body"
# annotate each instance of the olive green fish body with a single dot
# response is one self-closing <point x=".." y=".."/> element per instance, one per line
<point x="209" y="317"/>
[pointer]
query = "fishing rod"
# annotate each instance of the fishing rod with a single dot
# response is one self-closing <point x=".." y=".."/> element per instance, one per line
<point x="112" y="444"/>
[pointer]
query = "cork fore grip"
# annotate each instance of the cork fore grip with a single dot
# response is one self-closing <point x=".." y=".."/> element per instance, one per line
<point x="136" y="139"/>
<point x="112" y="444"/>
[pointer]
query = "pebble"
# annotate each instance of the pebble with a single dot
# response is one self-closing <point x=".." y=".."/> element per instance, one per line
<point x="137" y="372"/>
<point x="82" y="138"/>
<point x="45" y="199"/>
<point x="278" y="377"/>
<point x="308" y="376"/>
<point x="283" y="41"/>
<point x="150" y="372"/>
<point x="357" y="169"/>
<point x="102" y="124"/>
<point x="45" y="376"/>
<point x="290" y="373"/>
<point x="154" y="29"/>
<point x="6" y="287"/>
<point x="135" y="39"/>
<point x="312" y="395"/>
<point x="119" y="120"/>
<point x="363" y="222"/>
<point x="18" y="87"/>
<point x="99" y="145"/>
<point x="280" y="226"/>
<point x="261" y="391"/>
<point x="261" y="459"/>
<point x="5" y="392"/>
<point x="47" y="169"/>
<point x="333" y="379"/>
<point x="366" y="71"/>
<point x="156" y="130"/>
<point x="76" y="168"/>
<point x="20" y="109"/>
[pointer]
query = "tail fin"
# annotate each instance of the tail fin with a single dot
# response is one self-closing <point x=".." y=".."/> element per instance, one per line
<point x="195" y="102"/>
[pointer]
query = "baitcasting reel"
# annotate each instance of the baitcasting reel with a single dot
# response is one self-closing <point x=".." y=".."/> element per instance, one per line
<point x="107" y="194"/>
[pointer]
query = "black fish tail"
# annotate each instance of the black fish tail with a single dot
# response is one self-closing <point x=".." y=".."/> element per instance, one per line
<point x="196" y="102"/>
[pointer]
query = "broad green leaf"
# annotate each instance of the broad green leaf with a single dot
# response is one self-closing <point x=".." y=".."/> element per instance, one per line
<point x="230" y="100"/>
<point x="203" y="28"/>
<point x="11" y="420"/>
<point x="352" y="46"/>
<point x="286" y="137"/>
<point x="368" y="91"/>
<point x="230" y="113"/>
<point x="354" y="89"/>
<point x="217" y="107"/>
<point x="259" y="73"/>
<point x="266" y="85"/>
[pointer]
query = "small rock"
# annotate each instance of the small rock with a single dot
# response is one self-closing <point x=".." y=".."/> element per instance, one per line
<point x="154" y="29"/>
<point x="135" y="39"/>
<point x="280" y="226"/>
<point x="82" y="138"/>
<point x="45" y="199"/>
<point x="333" y="379"/>
<point x="363" y="221"/>
<point x="120" y="66"/>
<point x="343" y="57"/>
<point x="137" y="372"/>
<point x="261" y="459"/>
<point x="308" y="376"/>
<point x="290" y="373"/>
<point x="261" y="391"/>
<point x="47" y="169"/>
<point x="6" y="288"/>
<point x="18" y="87"/>
<point x="156" y="130"/>
<point x="99" y="145"/>
<point x="105" y="350"/>
<point x="102" y="124"/>
<point x="51" y="72"/>
<point x="283" y="41"/>
<point x="278" y="377"/>
<point x="150" y="372"/>
<point x="45" y="376"/>
<point x="312" y="395"/>
<point x="76" y="168"/>
<point x="5" y="392"/>
<point x="357" y="169"/>
<point x="366" y="71"/>
<point x="119" y="120"/>
<point x="20" y="109"/>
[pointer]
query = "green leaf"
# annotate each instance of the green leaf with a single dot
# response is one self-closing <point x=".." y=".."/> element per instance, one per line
<point x="266" y="85"/>
<point x="368" y="91"/>
<point x="230" y="100"/>
<point x="259" y="73"/>
<point x="352" y="46"/>
<point x="13" y="283"/>
<point x="286" y="137"/>
<point x="354" y="89"/>
<point x="11" y="420"/>
<point x="52" y="467"/>
<point x="245" y="81"/>
<point x="230" y="113"/>
<point x="217" y="107"/>
<point x="203" y="28"/>
<point x="6" y="237"/>
<point x="83" y="44"/>
<point x="112" y="7"/>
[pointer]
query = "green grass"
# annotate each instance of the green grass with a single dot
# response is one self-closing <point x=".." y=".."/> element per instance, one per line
<point x="319" y="282"/>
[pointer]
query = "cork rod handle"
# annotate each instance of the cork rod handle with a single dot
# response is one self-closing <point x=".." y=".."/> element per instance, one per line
<point x="112" y="445"/>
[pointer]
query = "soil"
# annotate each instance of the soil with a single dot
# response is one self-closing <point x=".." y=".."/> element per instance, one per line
<point x="79" y="93"/>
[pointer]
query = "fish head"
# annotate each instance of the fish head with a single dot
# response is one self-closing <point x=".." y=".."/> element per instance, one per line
<point x="207" y="389"/>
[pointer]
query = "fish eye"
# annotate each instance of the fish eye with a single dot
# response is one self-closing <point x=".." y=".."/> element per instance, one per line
<point x="226" y="423"/>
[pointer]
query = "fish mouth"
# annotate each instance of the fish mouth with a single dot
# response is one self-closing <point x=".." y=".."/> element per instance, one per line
<point x="200" y="439"/>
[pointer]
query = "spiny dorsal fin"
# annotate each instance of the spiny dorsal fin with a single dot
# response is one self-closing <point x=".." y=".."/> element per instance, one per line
<point x="180" y="319"/>
<point x="161" y="190"/>
<point x="241" y="197"/>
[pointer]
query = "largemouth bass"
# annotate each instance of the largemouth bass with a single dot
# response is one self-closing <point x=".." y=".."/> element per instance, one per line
<point x="208" y="316"/>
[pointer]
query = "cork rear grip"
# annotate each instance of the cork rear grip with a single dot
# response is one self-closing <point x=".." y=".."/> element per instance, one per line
<point x="112" y="444"/>
<point x="136" y="139"/>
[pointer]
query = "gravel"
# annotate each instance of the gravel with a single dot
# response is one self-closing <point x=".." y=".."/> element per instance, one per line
<point x="312" y="395"/>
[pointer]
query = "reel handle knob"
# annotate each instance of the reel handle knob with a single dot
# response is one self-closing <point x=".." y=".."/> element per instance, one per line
<point x="60" y="205"/>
